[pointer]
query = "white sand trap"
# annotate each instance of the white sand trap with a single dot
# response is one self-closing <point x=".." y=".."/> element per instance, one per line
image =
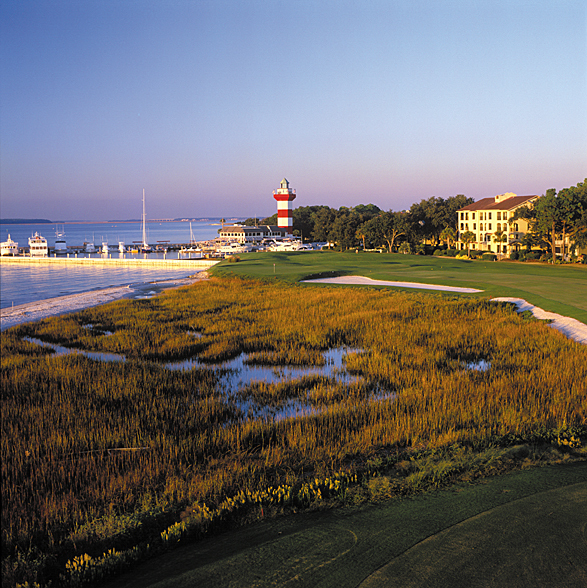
<point x="360" y="280"/>
<point x="570" y="327"/>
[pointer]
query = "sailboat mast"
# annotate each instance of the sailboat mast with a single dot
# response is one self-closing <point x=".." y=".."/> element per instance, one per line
<point x="144" y="220"/>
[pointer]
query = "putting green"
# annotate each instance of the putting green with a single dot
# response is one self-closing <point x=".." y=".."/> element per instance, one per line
<point x="517" y="530"/>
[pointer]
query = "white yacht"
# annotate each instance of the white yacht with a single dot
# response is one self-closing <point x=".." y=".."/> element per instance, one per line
<point x="38" y="246"/>
<point x="9" y="247"/>
<point x="60" y="243"/>
<point x="121" y="247"/>
<point x="105" y="249"/>
<point x="89" y="247"/>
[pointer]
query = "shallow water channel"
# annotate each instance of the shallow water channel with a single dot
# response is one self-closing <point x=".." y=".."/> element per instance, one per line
<point x="236" y="374"/>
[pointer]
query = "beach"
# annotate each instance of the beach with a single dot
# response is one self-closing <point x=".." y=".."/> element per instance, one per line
<point x="35" y="311"/>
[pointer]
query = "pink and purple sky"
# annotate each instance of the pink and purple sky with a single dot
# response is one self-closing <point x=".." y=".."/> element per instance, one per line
<point x="208" y="104"/>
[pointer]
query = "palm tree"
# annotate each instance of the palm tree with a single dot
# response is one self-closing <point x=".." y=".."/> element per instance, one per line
<point x="448" y="234"/>
<point x="500" y="237"/>
<point x="467" y="238"/>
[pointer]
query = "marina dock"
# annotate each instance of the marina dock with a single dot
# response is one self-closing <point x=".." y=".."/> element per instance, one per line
<point x="136" y="262"/>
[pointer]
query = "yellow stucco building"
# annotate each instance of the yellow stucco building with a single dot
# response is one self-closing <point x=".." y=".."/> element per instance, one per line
<point x="488" y="219"/>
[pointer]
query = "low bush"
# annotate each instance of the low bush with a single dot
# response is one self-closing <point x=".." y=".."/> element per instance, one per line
<point x="489" y="256"/>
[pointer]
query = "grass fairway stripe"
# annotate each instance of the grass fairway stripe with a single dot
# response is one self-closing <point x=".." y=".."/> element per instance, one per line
<point x="350" y="546"/>
<point x="534" y="542"/>
<point x="555" y="288"/>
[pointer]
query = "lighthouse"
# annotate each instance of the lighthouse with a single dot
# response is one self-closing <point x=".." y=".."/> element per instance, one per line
<point x="284" y="196"/>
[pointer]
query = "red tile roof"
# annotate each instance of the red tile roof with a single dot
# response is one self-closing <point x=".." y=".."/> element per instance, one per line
<point x="491" y="204"/>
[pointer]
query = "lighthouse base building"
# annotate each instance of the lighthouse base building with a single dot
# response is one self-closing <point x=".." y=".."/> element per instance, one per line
<point x="284" y="196"/>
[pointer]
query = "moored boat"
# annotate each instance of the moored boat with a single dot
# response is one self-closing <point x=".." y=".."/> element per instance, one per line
<point x="38" y="246"/>
<point x="9" y="247"/>
<point x="121" y="247"/>
<point x="60" y="243"/>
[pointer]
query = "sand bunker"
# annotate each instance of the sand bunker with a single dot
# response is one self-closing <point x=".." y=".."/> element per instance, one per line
<point x="572" y="328"/>
<point x="362" y="281"/>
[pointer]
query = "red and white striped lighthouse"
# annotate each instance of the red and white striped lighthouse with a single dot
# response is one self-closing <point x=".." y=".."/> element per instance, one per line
<point x="284" y="196"/>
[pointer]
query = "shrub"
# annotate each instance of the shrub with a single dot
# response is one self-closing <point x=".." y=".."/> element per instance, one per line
<point x="451" y="252"/>
<point x="489" y="256"/>
<point x="438" y="252"/>
<point x="233" y="259"/>
<point x="514" y="255"/>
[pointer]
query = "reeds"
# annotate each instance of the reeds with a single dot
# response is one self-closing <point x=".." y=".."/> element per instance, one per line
<point x="65" y="494"/>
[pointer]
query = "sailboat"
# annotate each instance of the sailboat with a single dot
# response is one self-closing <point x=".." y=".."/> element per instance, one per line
<point x="145" y="247"/>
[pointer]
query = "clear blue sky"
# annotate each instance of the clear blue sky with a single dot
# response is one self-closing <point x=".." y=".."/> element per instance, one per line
<point x="207" y="104"/>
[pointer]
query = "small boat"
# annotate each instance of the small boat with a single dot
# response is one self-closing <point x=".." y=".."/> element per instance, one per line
<point x="105" y="249"/>
<point x="89" y="247"/>
<point x="9" y="247"/>
<point x="38" y="246"/>
<point x="60" y="243"/>
<point x="121" y="247"/>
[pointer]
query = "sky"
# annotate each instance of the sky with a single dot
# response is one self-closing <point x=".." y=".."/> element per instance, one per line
<point x="208" y="104"/>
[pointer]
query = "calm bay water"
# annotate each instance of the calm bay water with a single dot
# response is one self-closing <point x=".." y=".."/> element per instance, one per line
<point x="20" y="284"/>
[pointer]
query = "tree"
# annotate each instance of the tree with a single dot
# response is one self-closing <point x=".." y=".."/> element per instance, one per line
<point x="548" y="217"/>
<point x="500" y="237"/>
<point x="360" y="234"/>
<point x="386" y="228"/>
<point x="428" y="218"/>
<point x="449" y="235"/>
<point x="467" y="238"/>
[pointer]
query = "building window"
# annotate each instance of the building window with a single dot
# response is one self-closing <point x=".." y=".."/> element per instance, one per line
<point x="499" y="216"/>
<point x="489" y="224"/>
<point x="474" y="226"/>
<point x="466" y="216"/>
<point x="498" y="224"/>
<point x="462" y="216"/>
<point x="462" y="227"/>
<point x="473" y="216"/>
<point x="489" y="219"/>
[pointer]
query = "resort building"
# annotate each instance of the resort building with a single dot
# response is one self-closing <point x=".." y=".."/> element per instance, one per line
<point x="284" y="196"/>
<point x="256" y="234"/>
<point x="488" y="219"/>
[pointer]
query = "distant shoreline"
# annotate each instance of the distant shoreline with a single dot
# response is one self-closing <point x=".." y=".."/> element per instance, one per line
<point x="33" y="221"/>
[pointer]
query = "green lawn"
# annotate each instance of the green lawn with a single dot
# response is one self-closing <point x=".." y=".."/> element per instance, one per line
<point x="521" y="529"/>
<point x="561" y="289"/>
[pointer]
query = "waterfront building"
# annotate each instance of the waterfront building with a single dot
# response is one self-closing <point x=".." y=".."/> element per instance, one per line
<point x="488" y="219"/>
<point x="252" y="235"/>
<point x="284" y="196"/>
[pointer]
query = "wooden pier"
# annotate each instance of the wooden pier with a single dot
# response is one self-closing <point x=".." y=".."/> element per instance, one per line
<point x="73" y="259"/>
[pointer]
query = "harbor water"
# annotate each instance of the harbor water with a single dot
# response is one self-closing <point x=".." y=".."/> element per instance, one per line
<point x="23" y="283"/>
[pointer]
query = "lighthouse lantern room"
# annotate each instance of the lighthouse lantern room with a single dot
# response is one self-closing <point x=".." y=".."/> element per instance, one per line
<point x="284" y="196"/>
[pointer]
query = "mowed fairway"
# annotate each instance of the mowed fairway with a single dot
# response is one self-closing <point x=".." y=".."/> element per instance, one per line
<point x="560" y="289"/>
<point x="522" y="529"/>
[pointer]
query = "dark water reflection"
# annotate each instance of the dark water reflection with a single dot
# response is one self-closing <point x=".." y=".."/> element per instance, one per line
<point x="235" y="374"/>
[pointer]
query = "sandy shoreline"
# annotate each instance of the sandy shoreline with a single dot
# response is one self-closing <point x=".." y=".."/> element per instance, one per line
<point x="35" y="311"/>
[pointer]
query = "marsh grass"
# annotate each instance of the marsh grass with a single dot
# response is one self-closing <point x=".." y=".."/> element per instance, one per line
<point x="65" y="494"/>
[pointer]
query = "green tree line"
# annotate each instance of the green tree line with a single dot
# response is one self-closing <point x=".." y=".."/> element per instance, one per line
<point x="369" y="227"/>
<point x="557" y="217"/>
